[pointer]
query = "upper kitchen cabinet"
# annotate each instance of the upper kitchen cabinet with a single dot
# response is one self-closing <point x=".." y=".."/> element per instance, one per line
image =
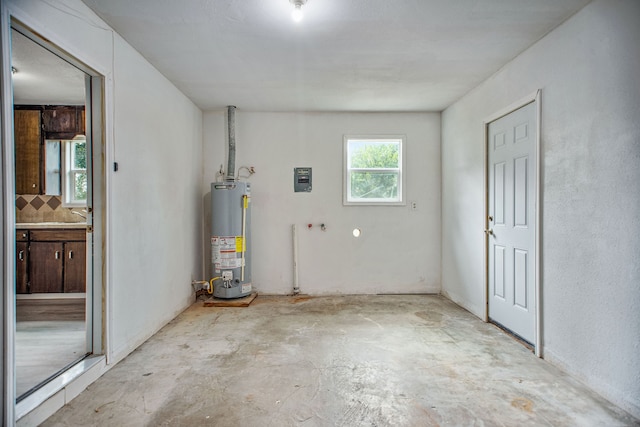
<point x="62" y="122"/>
<point x="28" y="140"/>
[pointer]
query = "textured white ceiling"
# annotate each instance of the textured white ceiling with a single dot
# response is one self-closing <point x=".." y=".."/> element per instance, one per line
<point x="346" y="55"/>
<point x="42" y="77"/>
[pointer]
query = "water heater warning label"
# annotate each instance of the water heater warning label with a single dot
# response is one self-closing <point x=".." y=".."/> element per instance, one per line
<point x="225" y="251"/>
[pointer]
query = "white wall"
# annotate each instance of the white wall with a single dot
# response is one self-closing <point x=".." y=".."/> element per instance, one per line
<point x="588" y="71"/>
<point x="155" y="210"/>
<point x="399" y="250"/>
<point x="156" y="205"/>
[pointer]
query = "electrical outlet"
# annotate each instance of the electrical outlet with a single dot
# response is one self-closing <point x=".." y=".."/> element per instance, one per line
<point x="413" y="205"/>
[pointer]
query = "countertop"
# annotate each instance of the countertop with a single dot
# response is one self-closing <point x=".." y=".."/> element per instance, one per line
<point x="44" y="225"/>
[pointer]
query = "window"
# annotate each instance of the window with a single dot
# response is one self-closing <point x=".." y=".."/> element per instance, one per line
<point x="373" y="170"/>
<point x="75" y="174"/>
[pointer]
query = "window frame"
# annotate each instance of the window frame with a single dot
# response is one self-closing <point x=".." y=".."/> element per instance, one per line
<point x="69" y="174"/>
<point x="347" y="199"/>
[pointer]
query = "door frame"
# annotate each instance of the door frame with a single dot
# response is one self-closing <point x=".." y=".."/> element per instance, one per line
<point x="97" y="134"/>
<point x="535" y="98"/>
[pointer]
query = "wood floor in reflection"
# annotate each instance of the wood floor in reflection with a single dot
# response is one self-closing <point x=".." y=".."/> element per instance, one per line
<point x="50" y="334"/>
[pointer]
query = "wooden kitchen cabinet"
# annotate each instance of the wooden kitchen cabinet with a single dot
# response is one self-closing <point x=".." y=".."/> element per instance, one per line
<point x="62" y="120"/>
<point x="57" y="261"/>
<point x="45" y="267"/>
<point x="22" y="262"/>
<point x="75" y="267"/>
<point x="28" y="138"/>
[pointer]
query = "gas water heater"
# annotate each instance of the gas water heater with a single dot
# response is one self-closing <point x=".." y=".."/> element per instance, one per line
<point x="230" y="238"/>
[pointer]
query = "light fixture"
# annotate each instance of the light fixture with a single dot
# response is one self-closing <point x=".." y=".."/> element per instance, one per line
<point x="297" y="14"/>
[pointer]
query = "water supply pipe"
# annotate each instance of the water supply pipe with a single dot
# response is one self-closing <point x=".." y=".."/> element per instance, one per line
<point x="245" y="206"/>
<point x="231" y="124"/>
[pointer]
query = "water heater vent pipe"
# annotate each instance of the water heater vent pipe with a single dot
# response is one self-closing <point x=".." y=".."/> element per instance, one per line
<point x="231" y="123"/>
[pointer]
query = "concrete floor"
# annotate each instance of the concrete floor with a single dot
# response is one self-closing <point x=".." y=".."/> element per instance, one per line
<point x="335" y="361"/>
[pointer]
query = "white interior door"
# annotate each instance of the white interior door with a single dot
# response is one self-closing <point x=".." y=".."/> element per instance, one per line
<point x="512" y="221"/>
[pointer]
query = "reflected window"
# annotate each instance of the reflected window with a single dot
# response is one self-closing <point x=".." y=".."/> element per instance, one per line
<point x="52" y="168"/>
<point x="75" y="174"/>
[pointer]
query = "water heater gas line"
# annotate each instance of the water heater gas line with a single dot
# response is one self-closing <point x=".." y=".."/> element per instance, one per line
<point x="296" y="288"/>
<point x="210" y="289"/>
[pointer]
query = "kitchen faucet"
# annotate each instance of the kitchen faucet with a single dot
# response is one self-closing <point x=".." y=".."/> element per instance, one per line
<point x="80" y="214"/>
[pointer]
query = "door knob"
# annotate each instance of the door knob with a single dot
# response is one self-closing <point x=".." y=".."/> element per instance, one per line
<point x="489" y="231"/>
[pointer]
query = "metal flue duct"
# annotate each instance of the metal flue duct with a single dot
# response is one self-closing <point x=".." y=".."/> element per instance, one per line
<point x="231" y="161"/>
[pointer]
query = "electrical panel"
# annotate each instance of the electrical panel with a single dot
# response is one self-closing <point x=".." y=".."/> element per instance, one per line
<point x="302" y="180"/>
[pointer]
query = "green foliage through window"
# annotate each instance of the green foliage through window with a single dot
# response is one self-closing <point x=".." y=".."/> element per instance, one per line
<point x="80" y="186"/>
<point x="79" y="162"/>
<point x="80" y="155"/>
<point x="374" y="155"/>
<point x="75" y="188"/>
<point x="374" y="170"/>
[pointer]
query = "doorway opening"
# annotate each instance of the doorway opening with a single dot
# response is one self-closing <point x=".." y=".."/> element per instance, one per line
<point x="59" y="209"/>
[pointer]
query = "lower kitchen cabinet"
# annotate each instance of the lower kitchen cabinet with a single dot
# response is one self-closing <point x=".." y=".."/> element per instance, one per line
<point x="75" y="267"/>
<point x="22" y="260"/>
<point x="54" y="261"/>
<point x="45" y="272"/>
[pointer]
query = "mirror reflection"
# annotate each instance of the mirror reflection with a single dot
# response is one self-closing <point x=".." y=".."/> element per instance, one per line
<point x="51" y="214"/>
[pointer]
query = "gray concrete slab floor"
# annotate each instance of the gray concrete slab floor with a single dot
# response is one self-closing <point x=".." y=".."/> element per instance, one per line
<point x="336" y="361"/>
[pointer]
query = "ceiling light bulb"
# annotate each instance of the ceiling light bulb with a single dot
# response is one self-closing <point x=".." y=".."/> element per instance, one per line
<point x="297" y="14"/>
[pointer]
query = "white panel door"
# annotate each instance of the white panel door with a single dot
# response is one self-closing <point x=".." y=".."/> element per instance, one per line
<point x="512" y="221"/>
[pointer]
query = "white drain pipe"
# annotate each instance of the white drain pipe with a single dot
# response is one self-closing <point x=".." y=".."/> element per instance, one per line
<point x="296" y="288"/>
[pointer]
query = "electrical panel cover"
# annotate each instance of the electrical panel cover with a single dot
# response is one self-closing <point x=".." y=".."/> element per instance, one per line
<point x="302" y="180"/>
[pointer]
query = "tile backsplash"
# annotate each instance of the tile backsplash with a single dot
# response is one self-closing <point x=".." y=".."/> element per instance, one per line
<point x="41" y="208"/>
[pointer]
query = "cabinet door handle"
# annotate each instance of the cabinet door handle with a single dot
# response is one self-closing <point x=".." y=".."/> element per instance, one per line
<point x="70" y="254"/>
<point x="57" y="254"/>
<point x="21" y="255"/>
